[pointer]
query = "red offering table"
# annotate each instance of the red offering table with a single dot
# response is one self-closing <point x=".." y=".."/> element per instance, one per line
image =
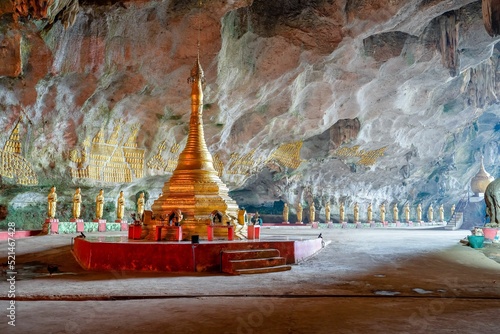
<point x="253" y="232"/>
<point x="230" y="231"/>
<point x="134" y="231"/>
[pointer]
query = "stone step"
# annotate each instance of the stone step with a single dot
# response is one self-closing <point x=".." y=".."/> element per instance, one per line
<point x="256" y="263"/>
<point x="263" y="270"/>
<point x="246" y="254"/>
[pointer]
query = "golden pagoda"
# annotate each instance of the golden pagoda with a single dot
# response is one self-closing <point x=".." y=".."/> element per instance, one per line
<point x="195" y="187"/>
<point x="479" y="182"/>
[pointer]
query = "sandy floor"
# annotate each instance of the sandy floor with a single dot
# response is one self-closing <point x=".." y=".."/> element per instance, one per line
<point x="363" y="281"/>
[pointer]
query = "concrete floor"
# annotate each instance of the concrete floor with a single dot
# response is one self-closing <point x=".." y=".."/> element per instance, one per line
<point x="363" y="281"/>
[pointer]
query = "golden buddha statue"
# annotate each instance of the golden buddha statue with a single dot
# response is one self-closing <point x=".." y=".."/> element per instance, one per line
<point x="395" y="212"/>
<point x="441" y="213"/>
<point x="99" y="204"/>
<point x="140" y="205"/>
<point x="51" y="203"/>
<point x="430" y="214"/>
<point x="341" y="212"/>
<point x="285" y="213"/>
<point x="356" y="212"/>
<point x="407" y="212"/>
<point x="327" y="212"/>
<point x="312" y="213"/>
<point x="369" y="213"/>
<point x="419" y="212"/>
<point x="77" y="203"/>
<point x="382" y="212"/>
<point x="120" y="206"/>
<point x="299" y="213"/>
<point x="242" y="216"/>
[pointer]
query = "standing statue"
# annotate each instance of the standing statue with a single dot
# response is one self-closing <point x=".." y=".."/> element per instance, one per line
<point x="356" y="212"/>
<point x="430" y="214"/>
<point x="419" y="212"/>
<point x="77" y="203"/>
<point x="407" y="212"/>
<point x="299" y="213"/>
<point x="51" y="203"/>
<point x="285" y="213"/>
<point x="140" y="205"/>
<point x="341" y="212"/>
<point x="492" y="197"/>
<point x="99" y="204"/>
<point x="452" y="210"/>
<point x="395" y="212"/>
<point x="242" y="216"/>
<point x="120" y="206"/>
<point x="327" y="212"/>
<point x="441" y="213"/>
<point x="382" y="212"/>
<point x="312" y="213"/>
<point x="369" y="213"/>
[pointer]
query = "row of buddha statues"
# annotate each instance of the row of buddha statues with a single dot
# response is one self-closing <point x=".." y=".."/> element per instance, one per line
<point x="99" y="205"/>
<point x="369" y="213"/>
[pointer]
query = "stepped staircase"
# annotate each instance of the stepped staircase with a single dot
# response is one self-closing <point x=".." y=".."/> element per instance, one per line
<point x="252" y="261"/>
<point x="457" y="219"/>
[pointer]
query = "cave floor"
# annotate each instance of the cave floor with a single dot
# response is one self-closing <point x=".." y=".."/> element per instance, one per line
<point x="363" y="281"/>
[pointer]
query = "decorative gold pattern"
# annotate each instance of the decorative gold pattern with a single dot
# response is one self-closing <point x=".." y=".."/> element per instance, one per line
<point x="110" y="161"/>
<point x="13" y="164"/>
<point x="243" y="164"/>
<point x="288" y="155"/>
<point x="367" y="158"/>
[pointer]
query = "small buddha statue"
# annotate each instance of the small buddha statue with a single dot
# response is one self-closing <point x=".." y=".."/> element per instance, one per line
<point x="299" y="213"/>
<point x="99" y="204"/>
<point x="341" y="212"/>
<point x="369" y="213"/>
<point x="430" y="214"/>
<point x="312" y="213"/>
<point x="395" y="212"/>
<point x="407" y="212"/>
<point x="77" y="203"/>
<point x="51" y="203"/>
<point x="356" y="212"/>
<point x="242" y="216"/>
<point x="327" y="212"/>
<point x="285" y="213"/>
<point x="140" y="205"/>
<point x="382" y="212"/>
<point x="419" y="212"/>
<point x="441" y="213"/>
<point x="120" y="206"/>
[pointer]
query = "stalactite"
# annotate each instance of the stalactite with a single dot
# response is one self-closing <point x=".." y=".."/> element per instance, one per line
<point x="449" y="42"/>
<point x="491" y="17"/>
<point x="46" y="9"/>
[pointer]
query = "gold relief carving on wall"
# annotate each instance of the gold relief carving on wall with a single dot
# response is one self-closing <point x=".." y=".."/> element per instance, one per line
<point x="13" y="164"/>
<point x="218" y="164"/>
<point x="243" y="164"/>
<point x="157" y="161"/>
<point x="367" y="158"/>
<point x="113" y="160"/>
<point x="288" y="155"/>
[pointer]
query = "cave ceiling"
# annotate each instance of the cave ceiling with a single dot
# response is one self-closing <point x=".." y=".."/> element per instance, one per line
<point x="305" y="101"/>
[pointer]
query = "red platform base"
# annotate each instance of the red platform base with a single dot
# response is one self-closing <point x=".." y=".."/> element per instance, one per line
<point x="118" y="253"/>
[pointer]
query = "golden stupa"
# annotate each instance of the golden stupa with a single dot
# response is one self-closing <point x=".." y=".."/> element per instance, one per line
<point x="195" y="187"/>
<point x="479" y="182"/>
